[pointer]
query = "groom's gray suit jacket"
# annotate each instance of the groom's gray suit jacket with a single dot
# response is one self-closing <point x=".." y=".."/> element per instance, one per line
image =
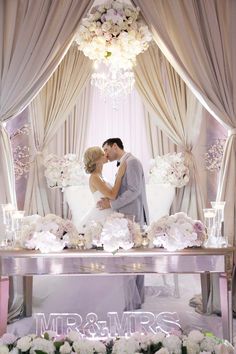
<point x="132" y="198"/>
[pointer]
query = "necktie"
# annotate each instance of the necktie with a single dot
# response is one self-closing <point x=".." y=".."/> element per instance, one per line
<point x="118" y="164"/>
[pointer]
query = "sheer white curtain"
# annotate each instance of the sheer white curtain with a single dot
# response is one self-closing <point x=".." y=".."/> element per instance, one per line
<point x="126" y="122"/>
<point x="34" y="37"/>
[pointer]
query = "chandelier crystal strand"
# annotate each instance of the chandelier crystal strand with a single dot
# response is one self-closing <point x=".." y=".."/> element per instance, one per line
<point x="114" y="83"/>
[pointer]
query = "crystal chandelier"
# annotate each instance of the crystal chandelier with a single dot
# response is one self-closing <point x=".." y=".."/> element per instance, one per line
<point x="113" y="83"/>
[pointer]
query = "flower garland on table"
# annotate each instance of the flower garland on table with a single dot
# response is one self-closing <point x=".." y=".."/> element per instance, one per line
<point x="195" y="342"/>
<point x="52" y="234"/>
<point x="176" y="232"/>
<point x="170" y="169"/>
<point x="114" y="34"/>
<point x="64" y="171"/>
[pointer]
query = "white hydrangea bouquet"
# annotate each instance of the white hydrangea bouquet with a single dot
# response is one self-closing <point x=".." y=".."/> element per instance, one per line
<point x="113" y="33"/>
<point x="170" y="169"/>
<point x="65" y="171"/>
<point x="117" y="232"/>
<point x="195" y="342"/>
<point x="176" y="232"/>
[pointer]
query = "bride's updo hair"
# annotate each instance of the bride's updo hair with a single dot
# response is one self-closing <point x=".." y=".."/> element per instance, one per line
<point x="91" y="156"/>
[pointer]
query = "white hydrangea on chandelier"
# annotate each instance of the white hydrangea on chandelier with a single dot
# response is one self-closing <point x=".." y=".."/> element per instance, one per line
<point x="113" y="33"/>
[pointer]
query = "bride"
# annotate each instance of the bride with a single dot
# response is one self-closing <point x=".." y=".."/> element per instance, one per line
<point x="94" y="159"/>
<point x="93" y="293"/>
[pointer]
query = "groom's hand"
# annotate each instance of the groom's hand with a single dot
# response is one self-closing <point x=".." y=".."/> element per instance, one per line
<point x="103" y="203"/>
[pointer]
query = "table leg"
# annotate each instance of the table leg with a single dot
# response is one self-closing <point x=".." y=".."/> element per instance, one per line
<point x="4" y="296"/>
<point x="205" y="286"/>
<point x="226" y="307"/>
<point x="28" y="293"/>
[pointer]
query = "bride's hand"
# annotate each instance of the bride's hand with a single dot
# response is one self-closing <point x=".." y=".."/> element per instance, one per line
<point x="121" y="170"/>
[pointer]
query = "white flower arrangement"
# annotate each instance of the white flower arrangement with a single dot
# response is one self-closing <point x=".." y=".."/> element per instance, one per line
<point x="170" y="169"/>
<point x="194" y="343"/>
<point x="52" y="234"/>
<point x="65" y="171"/>
<point x="176" y="232"/>
<point x="117" y="232"/>
<point x="113" y="33"/>
<point x="48" y="234"/>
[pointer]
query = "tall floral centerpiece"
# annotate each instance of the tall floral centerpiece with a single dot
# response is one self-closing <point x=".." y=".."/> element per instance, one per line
<point x="113" y="34"/>
<point x="65" y="171"/>
<point x="169" y="169"/>
<point x="166" y="173"/>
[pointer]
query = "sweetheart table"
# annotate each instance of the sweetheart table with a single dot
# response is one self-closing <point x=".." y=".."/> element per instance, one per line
<point x="202" y="261"/>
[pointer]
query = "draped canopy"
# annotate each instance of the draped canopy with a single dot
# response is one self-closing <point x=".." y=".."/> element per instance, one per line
<point x="35" y="35"/>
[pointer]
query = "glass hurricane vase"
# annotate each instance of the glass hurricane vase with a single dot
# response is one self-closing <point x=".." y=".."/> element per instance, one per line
<point x="209" y="220"/>
<point x="219" y="219"/>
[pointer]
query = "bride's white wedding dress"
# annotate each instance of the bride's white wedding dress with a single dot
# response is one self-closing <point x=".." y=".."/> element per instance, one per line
<point x="84" y="294"/>
<point x="94" y="214"/>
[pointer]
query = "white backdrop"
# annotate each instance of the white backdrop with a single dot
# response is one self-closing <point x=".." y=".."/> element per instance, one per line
<point x="126" y="122"/>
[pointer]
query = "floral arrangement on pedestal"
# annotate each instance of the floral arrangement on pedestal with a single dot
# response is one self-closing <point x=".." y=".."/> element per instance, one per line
<point x="176" y="232"/>
<point x="195" y="342"/>
<point x="113" y="33"/>
<point x="170" y="169"/>
<point x="117" y="232"/>
<point x="65" y="171"/>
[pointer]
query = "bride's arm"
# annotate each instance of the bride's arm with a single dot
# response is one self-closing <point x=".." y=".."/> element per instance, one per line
<point x="101" y="186"/>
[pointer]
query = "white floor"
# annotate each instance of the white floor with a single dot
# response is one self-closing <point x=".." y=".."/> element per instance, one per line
<point x="159" y="298"/>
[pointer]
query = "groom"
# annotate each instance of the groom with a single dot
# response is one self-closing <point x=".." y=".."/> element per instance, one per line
<point x="131" y="199"/>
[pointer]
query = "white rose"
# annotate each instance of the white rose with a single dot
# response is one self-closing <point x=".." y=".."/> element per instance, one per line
<point x="73" y="336"/>
<point x="106" y="26"/>
<point x="24" y="343"/>
<point x="65" y="348"/>
<point x="14" y="351"/>
<point x="162" y="351"/>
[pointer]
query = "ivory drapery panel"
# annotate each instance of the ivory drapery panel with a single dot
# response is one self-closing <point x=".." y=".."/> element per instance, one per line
<point x="48" y="111"/>
<point x="177" y="112"/>
<point x="34" y="36"/>
<point x="203" y="52"/>
<point x="7" y="194"/>
<point x="70" y="138"/>
<point x="158" y="142"/>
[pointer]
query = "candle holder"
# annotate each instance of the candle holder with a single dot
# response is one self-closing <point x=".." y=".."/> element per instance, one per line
<point x="219" y="208"/>
<point x="7" y="210"/>
<point x="17" y="217"/>
<point x="209" y="220"/>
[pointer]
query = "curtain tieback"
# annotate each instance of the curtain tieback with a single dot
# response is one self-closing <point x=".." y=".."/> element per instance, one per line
<point x="38" y="152"/>
<point x="3" y="124"/>
<point x="231" y="132"/>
